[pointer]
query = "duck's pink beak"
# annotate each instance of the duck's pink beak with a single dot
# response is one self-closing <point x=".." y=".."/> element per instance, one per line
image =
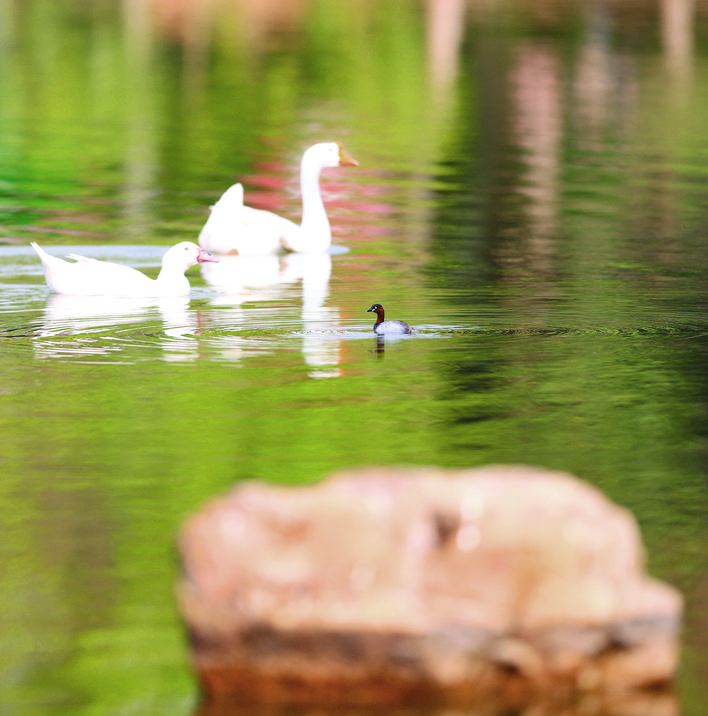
<point x="206" y="256"/>
<point x="344" y="159"/>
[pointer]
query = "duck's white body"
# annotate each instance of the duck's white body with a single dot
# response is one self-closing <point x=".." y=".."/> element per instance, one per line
<point x="91" y="277"/>
<point x="388" y="328"/>
<point x="233" y="227"/>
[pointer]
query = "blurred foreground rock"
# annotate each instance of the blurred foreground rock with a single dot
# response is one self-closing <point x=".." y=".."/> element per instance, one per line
<point x="397" y="585"/>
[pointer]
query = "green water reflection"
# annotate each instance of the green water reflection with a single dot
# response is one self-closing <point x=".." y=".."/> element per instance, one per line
<point x="531" y="195"/>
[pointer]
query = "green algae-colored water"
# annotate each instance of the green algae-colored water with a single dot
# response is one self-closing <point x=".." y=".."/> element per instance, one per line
<point x="532" y="195"/>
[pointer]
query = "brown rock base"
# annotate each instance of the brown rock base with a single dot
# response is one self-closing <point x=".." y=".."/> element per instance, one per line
<point x="388" y="586"/>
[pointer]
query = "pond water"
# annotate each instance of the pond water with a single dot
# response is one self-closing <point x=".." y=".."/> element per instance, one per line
<point x="532" y="195"/>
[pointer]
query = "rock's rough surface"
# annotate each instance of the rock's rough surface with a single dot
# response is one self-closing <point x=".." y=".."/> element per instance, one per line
<point x="391" y="584"/>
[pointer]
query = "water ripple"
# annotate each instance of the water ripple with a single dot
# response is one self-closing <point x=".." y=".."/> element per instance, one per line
<point x="689" y="330"/>
<point x="132" y="331"/>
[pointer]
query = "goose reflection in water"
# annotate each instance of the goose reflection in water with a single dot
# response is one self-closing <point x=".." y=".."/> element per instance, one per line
<point x="320" y="348"/>
<point x="99" y="326"/>
<point x="240" y="279"/>
<point x="264" y="278"/>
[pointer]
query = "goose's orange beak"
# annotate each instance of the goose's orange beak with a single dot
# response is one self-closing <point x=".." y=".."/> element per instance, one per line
<point x="344" y="159"/>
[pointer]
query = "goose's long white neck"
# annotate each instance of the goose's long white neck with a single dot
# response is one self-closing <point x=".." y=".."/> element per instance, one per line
<point x="172" y="280"/>
<point x="315" y="233"/>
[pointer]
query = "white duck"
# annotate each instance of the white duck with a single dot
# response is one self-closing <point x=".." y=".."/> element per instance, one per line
<point x="91" y="277"/>
<point x="233" y="227"/>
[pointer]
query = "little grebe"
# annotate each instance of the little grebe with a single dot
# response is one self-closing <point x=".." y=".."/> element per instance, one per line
<point x="382" y="327"/>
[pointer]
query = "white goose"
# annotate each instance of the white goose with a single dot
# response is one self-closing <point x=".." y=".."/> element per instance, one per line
<point x="233" y="227"/>
<point x="91" y="277"/>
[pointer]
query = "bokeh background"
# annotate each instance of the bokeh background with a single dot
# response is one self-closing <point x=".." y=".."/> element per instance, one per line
<point x="532" y="194"/>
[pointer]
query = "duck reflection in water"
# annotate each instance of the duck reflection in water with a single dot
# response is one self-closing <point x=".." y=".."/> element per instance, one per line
<point x="95" y="322"/>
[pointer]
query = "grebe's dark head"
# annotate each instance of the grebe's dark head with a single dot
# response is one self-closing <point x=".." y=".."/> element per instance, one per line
<point x="377" y="308"/>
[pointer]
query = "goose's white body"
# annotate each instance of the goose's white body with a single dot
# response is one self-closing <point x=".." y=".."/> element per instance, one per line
<point x="90" y="277"/>
<point x="233" y="227"/>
